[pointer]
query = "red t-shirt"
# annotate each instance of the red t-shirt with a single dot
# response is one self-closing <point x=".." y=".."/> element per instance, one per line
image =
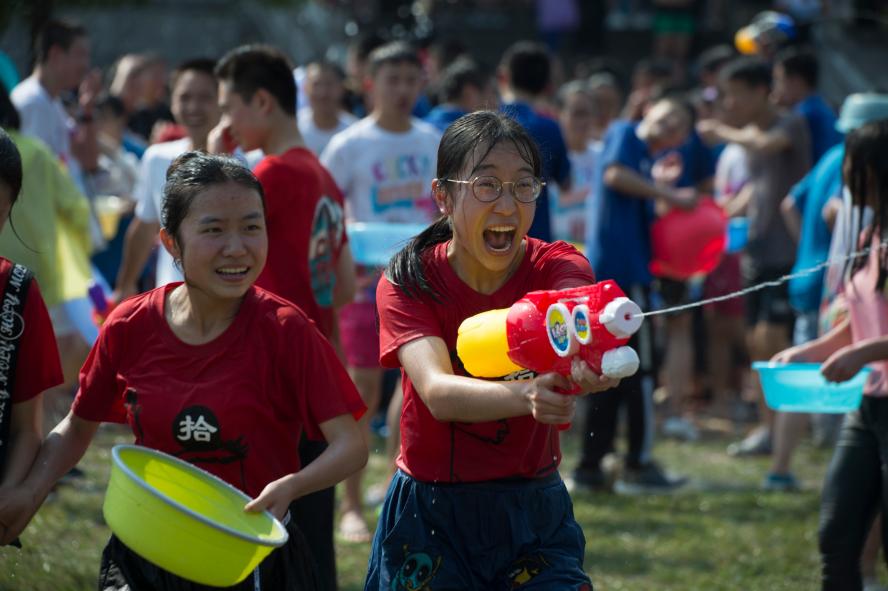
<point x="435" y="451"/>
<point x="306" y="231"/>
<point x="235" y="406"/>
<point x="38" y="367"/>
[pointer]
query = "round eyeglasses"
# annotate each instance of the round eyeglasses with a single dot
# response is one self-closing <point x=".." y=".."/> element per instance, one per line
<point x="489" y="188"/>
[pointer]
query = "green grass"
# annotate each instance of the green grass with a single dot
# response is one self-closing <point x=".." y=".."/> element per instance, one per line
<point x="720" y="532"/>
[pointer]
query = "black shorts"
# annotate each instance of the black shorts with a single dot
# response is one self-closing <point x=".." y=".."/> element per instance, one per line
<point x="769" y="304"/>
<point x="672" y="291"/>
<point x="288" y="568"/>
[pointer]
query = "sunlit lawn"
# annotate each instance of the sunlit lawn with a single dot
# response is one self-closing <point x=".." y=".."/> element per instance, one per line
<point x="720" y="532"/>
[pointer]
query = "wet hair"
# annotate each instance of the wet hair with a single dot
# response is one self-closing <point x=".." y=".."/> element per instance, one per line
<point x="457" y="76"/>
<point x="751" y="71"/>
<point x="194" y="172"/>
<point x="56" y="33"/>
<point x="529" y="66"/>
<point x="481" y="131"/>
<point x="251" y="67"/>
<point x="201" y="64"/>
<point x="10" y="165"/>
<point x="396" y="52"/>
<point x="800" y="63"/>
<point x="865" y="171"/>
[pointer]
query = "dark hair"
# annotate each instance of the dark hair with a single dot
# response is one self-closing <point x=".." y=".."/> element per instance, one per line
<point x="396" y="52"/>
<point x="457" y="76"/>
<point x="481" y="129"/>
<point x="328" y="66"/>
<point x="448" y="51"/>
<point x="713" y="58"/>
<point x="529" y="66"/>
<point x="751" y="71"/>
<point x="571" y="88"/>
<point x="364" y="45"/>
<point x="110" y="105"/>
<point x="800" y="63"/>
<point x="251" y="67"/>
<point x="203" y="65"/>
<point x="865" y="170"/>
<point x="10" y="165"/>
<point x="56" y="33"/>
<point x="193" y="172"/>
<point x="9" y="115"/>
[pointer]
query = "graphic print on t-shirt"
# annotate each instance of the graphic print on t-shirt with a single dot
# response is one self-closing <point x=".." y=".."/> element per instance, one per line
<point x="326" y="234"/>
<point x="198" y="431"/>
<point x="400" y="181"/>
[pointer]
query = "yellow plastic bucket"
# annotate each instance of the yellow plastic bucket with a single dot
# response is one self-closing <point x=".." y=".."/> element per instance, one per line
<point x="184" y="519"/>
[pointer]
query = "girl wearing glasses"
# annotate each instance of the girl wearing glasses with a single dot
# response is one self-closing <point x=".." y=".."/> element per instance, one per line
<point x="477" y="502"/>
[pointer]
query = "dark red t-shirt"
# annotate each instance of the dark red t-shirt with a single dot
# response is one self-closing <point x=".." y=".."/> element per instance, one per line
<point x="306" y="231"/>
<point x="38" y="367"/>
<point x="435" y="451"/>
<point x="235" y="406"/>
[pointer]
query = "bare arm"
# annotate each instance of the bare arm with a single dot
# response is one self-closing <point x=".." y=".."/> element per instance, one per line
<point x="141" y="237"/>
<point x="60" y="451"/>
<point x="345" y="455"/>
<point x="791" y="217"/>
<point x="737" y="205"/>
<point x="25" y="435"/>
<point x="751" y="138"/>
<point x="625" y="180"/>
<point x="345" y="288"/>
<point x="819" y="349"/>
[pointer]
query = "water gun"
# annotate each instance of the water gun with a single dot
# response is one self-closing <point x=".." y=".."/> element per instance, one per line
<point x="102" y="306"/>
<point x="545" y="330"/>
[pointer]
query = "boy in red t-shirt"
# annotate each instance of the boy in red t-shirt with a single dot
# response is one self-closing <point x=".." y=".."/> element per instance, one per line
<point x="309" y="262"/>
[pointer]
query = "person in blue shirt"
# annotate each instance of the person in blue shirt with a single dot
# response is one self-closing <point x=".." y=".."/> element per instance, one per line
<point x="462" y="88"/>
<point x="803" y="210"/>
<point x="618" y="246"/>
<point x="796" y="74"/>
<point x="524" y="77"/>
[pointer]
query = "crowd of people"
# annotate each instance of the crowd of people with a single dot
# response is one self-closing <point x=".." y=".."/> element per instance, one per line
<point x="189" y="233"/>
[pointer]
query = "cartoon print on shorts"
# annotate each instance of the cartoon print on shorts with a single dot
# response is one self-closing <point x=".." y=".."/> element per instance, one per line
<point x="416" y="572"/>
<point x="526" y="569"/>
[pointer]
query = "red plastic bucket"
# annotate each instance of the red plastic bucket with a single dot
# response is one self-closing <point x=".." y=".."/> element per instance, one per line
<point x="687" y="243"/>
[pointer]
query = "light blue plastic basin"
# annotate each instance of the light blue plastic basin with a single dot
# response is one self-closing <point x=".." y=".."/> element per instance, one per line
<point x="373" y="244"/>
<point x="738" y="233"/>
<point x="800" y="387"/>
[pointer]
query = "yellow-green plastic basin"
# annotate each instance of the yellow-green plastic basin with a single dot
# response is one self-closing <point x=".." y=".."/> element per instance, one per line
<point x="184" y="519"/>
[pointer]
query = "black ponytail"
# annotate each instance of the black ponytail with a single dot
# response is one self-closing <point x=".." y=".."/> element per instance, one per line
<point x="481" y="129"/>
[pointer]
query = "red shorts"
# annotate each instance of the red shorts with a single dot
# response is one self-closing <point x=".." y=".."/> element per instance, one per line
<point x="359" y="333"/>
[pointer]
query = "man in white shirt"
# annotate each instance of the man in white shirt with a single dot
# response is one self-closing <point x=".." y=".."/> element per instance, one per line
<point x="324" y="86"/>
<point x="194" y="103"/>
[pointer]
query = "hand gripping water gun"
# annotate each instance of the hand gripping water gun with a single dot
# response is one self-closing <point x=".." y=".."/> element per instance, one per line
<point x="545" y="330"/>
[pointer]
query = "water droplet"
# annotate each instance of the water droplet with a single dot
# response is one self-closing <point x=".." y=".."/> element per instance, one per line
<point x="433" y="532"/>
<point x="433" y="501"/>
<point x="414" y="516"/>
<point x="591" y="434"/>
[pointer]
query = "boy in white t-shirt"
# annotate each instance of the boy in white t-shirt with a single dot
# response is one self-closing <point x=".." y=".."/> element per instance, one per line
<point x="194" y="103"/>
<point x="384" y="164"/>
<point x="324" y="117"/>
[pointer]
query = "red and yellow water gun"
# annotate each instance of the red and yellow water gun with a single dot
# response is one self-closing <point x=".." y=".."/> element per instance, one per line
<point x="545" y="330"/>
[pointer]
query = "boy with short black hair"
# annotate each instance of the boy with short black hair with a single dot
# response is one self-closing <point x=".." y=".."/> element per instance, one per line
<point x="462" y="88"/>
<point x="384" y="164"/>
<point x="524" y="77"/>
<point x="796" y="73"/>
<point x="309" y="262"/>
<point x="324" y="116"/>
<point x="778" y="151"/>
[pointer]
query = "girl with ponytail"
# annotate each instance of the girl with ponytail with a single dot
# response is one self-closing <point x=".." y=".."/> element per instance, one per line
<point x="478" y="467"/>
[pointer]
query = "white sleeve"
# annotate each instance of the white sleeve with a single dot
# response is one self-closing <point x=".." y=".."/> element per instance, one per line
<point x="335" y="160"/>
<point x="36" y="124"/>
<point x="143" y="192"/>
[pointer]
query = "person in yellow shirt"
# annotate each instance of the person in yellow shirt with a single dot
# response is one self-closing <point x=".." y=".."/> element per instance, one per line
<point x="48" y="232"/>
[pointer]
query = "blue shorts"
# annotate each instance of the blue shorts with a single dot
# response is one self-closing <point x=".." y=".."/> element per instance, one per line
<point x="487" y="535"/>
